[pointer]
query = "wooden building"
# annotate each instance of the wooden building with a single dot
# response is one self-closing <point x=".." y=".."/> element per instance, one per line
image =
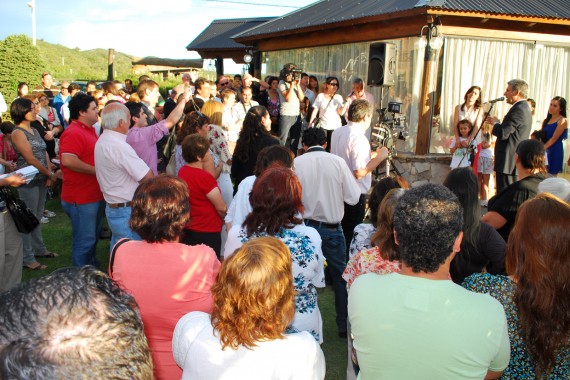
<point x="485" y="43"/>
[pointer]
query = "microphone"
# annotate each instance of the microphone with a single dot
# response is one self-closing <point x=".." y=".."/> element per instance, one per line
<point x="495" y="100"/>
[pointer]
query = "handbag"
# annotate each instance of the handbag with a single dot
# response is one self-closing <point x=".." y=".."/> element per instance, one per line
<point x="23" y="217"/>
<point x="171" y="166"/>
<point x="317" y="121"/>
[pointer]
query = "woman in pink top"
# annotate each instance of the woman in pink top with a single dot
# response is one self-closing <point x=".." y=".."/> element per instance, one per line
<point x="168" y="279"/>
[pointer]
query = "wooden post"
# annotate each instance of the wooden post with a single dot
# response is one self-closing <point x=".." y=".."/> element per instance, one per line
<point x="219" y="66"/>
<point x="255" y="69"/>
<point x="110" y="71"/>
<point x="427" y="98"/>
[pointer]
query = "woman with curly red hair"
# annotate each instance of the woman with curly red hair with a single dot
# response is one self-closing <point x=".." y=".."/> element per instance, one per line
<point x="276" y="201"/>
<point x="535" y="295"/>
<point x="245" y="335"/>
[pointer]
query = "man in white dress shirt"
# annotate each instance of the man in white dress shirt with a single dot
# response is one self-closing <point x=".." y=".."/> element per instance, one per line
<point x="350" y="143"/>
<point x="327" y="184"/>
<point x="119" y="170"/>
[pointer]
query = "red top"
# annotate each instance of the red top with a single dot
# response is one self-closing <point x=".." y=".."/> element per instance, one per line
<point x="79" y="139"/>
<point x="168" y="280"/>
<point x="203" y="214"/>
<point x="7" y="150"/>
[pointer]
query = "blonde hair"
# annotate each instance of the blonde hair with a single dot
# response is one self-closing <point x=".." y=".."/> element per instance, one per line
<point x="254" y="294"/>
<point x="214" y="110"/>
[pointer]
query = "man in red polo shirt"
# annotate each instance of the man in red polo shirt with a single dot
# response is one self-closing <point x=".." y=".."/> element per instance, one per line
<point x="81" y="196"/>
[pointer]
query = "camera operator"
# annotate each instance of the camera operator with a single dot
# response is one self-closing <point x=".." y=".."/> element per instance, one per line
<point x="290" y="96"/>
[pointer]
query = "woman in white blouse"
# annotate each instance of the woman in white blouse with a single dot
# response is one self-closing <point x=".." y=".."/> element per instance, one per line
<point x="329" y="105"/>
<point x="245" y="337"/>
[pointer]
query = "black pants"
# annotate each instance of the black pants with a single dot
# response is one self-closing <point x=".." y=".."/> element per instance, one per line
<point x="328" y="149"/>
<point x="353" y="216"/>
<point x="504" y="180"/>
<point x="211" y="239"/>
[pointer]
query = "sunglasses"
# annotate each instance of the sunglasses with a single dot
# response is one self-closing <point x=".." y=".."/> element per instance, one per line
<point x="333" y="84"/>
<point x="224" y="83"/>
<point x="64" y="88"/>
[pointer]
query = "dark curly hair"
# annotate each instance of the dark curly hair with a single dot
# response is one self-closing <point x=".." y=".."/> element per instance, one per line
<point x="74" y="323"/>
<point x="314" y="137"/>
<point x="276" y="201"/>
<point x="160" y="208"/>
<point x="427" y="221"/>
<point x="80" y="102"/>
<point x="190" y="125"/>
<point x="250" y="132"/>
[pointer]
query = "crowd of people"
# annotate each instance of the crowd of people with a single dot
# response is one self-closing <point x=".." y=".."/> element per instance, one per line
<point x="233" y="201"/>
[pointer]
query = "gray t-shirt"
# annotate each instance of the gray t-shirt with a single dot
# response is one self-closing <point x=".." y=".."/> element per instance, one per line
<point x="291" y="108"/>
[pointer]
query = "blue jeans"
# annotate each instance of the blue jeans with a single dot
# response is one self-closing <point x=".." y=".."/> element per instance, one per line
<point x="35" y="198"/>
<point x="118" y="220"/>
<point x="86" y="224"/>
<point x="285" y="124"/>
<point x="334" y="250"/>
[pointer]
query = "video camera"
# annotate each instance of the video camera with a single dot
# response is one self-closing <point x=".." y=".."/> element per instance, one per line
<point x="389" y="128"/>
<point x="291" y="69"/>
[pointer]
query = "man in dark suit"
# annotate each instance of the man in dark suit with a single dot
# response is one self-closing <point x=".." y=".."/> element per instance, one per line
<point x="515" y="127"/>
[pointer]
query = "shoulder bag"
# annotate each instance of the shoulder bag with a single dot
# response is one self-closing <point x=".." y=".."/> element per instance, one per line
<point x="23" y="217"/>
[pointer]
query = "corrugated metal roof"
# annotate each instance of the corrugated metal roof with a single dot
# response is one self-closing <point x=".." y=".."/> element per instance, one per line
<point x="555" y="9"/>
<point x="169" y="62"/>
<point x="332" y="11"/>
<point x="218" y="34"/>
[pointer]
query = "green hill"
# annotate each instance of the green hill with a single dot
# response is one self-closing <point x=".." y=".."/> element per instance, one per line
<point x="72" y="64"/>
<point x="20" y="61"/>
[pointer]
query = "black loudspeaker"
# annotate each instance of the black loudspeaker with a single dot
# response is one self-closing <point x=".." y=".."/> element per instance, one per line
<point x="382" y="64"/>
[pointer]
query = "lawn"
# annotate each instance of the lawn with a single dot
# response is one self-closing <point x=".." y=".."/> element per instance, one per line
<point x="57" y="237"/>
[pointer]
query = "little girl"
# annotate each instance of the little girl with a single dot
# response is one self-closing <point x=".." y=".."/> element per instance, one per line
<point x="485" y="163"/>
<point x="461" y="154"/>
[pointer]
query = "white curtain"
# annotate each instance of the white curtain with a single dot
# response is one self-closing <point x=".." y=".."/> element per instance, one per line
<point x="349" y="61"/>
<point x="490" y="64"/>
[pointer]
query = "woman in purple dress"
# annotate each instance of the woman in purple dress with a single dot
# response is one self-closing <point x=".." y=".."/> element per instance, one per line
<point x="555" y="127"/>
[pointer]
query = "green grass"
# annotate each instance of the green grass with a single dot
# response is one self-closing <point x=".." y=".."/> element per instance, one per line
<point x="57" y="238"/>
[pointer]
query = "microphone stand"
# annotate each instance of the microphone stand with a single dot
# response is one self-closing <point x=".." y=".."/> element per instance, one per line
<point x="477" y="133"/>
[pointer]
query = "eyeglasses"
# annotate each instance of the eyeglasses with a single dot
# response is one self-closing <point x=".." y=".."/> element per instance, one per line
<point x="333" y="84"/>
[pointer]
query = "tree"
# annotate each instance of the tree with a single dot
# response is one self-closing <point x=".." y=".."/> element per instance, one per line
<point x="21" y="62"/>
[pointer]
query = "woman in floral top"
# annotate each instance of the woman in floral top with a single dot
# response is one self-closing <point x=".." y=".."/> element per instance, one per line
<point x="276" y="200"/>
<point x="536" y="295"/>
<point x="219" y="147"/>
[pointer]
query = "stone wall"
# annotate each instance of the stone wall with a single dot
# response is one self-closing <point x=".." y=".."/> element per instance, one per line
<point x="419" y="170"/>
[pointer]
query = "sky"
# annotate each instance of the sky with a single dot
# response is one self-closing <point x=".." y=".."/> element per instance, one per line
<point x="137" y="27"/>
